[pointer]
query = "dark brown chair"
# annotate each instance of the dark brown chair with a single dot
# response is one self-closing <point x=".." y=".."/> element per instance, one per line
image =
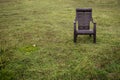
<point x="83" y="18"/>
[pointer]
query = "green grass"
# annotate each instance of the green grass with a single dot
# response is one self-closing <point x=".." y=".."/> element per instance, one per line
<point x="36" y="41"/>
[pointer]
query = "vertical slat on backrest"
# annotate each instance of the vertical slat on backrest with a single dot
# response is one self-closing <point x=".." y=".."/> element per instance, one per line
<point x="84" y="17"/>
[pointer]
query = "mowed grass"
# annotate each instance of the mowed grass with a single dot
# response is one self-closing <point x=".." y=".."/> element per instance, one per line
<point x="36" y="41"/>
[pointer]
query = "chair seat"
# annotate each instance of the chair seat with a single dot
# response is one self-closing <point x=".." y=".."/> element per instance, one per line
<point x="85" y="32"/>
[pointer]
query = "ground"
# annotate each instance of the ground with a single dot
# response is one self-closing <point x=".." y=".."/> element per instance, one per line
<point x="36" y="41"/>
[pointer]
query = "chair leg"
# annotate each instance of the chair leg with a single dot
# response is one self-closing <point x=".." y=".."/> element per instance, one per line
<point x="94" y="38"/>
<point x="90" y="35"/>
<point x="75" y="38"/>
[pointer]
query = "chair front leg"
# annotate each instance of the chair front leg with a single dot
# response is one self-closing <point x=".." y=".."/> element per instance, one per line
<point x="75" y="38"/>
<point x="75" y="34"/>
<point x="94" y="38"/>
<point x="94" y="35"/>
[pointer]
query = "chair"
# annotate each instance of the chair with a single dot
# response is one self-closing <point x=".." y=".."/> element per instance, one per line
<point x="83" y="18"/>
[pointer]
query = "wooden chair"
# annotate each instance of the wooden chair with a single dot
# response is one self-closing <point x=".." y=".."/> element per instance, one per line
<point x="83" y="18"/>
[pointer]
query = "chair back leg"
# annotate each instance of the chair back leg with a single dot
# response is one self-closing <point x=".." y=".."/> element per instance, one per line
<point x="90" y="35"/>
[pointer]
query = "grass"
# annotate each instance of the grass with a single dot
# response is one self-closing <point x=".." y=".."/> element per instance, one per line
<point x="36" y="41"/>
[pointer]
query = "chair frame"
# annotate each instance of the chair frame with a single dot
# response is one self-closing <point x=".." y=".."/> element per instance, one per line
<point x="76" y="33"/>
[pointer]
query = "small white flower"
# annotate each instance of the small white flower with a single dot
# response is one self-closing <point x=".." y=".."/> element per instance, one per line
<point x="34" y="45"/>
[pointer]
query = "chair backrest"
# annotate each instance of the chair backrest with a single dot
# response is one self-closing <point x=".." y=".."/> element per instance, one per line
<point x="84" y="16"/>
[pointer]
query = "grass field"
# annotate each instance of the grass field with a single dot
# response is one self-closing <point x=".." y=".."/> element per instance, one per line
<point x="36" y="41"/>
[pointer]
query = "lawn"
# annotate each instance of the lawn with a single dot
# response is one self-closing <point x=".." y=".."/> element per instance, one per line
<point x="36" y="41"/>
